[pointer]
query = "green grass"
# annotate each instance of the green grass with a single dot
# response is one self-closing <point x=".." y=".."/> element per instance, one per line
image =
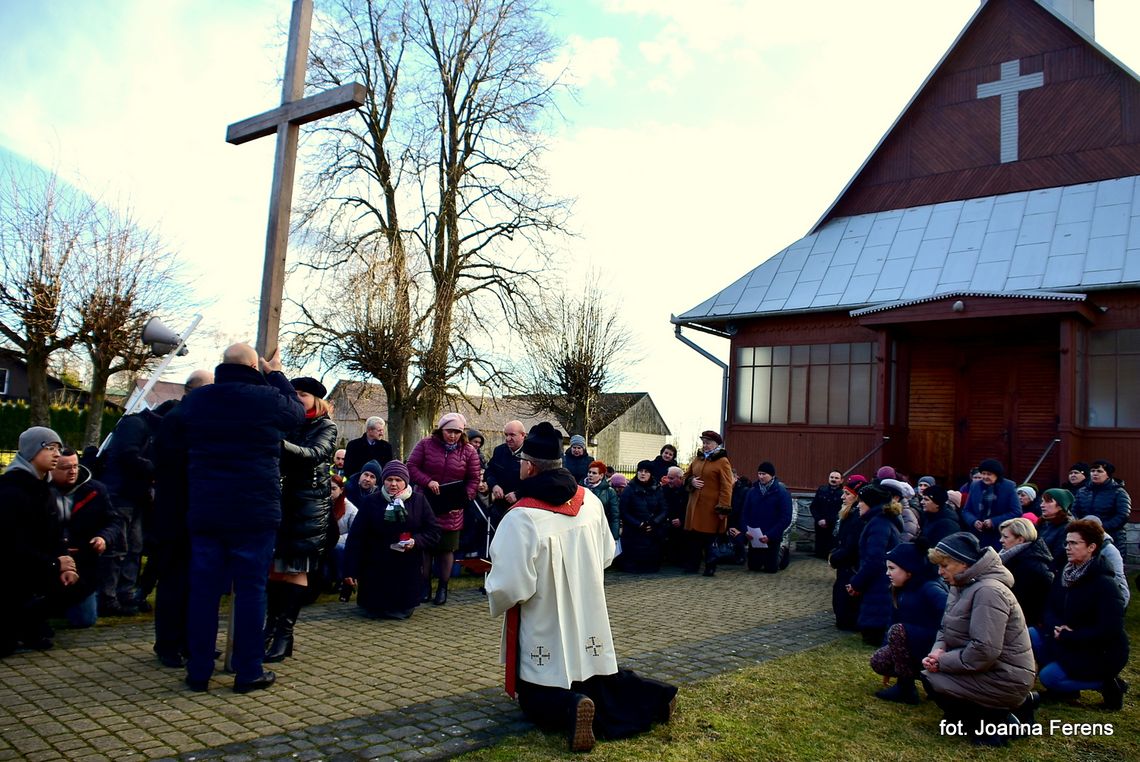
<point x="819" y="705"/>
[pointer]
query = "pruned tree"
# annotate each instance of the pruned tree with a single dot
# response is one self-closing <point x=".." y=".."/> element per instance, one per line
<point x="42" y="228"/>
<point x="127" y="276"/>
<point x="581" y="351"/>
<point x="437" y="176"/>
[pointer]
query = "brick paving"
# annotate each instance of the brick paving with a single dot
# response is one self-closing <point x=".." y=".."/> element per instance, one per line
<point x="356" y="688"/>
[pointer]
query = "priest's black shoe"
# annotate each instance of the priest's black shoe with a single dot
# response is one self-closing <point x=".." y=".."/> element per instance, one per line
<point x="267" y="679"/>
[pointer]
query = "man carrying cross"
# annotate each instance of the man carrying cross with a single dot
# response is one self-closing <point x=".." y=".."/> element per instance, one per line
<point x="550" y="552"/>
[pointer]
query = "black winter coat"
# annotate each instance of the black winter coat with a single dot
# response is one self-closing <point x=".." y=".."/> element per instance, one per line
<point x="1097" y="646"/>
<point x="358" y="452"/>
<point x="825" y="505"/>
<point x="171" y="489"/>
<point x="918" y="606"/>
<point x="845" y="554"/>
<point x="128" y="468"/>
<point x="938" y="526"/>
<point x="879" y="536"/>
<point x="389" y="580"/>
<point x="305" y="490"/>
<point x="643" y="518"/>
<point x="90" y="516"/>
<point x="1053" y="535"/>
<point x="1110" y="502"/>
<point x="233" y="430"/>
<point x="33" y="534"/>
<point x="503" y="469"/>
<point x="1032" y="578"/>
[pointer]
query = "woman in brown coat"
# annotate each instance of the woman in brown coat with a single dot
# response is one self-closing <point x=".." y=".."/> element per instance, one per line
<point x="709" y="481"/>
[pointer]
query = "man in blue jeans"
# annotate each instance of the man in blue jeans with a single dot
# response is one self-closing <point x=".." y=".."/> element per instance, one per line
<point x="231" y="431"/>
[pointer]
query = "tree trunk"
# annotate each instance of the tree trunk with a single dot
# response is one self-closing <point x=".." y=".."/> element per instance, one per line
<point x="38" y="398"/>
<point x="94" y="433"/>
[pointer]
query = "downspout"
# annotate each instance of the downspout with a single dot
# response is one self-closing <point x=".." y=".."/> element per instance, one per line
<point x="713" y="358"/>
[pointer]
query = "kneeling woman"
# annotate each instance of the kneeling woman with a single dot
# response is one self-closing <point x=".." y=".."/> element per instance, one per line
<point x="981" y="667"/>
<point x="919" y="599"/>
<point x="1083" y="644"/>
<point x="384" y="554"/>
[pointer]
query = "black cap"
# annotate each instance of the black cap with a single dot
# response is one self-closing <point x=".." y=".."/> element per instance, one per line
<point x="543" y="442"/>
<point x="310" y="385"/>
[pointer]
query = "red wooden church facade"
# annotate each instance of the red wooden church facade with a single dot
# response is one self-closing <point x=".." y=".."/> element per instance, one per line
<point x="958" y="351"/>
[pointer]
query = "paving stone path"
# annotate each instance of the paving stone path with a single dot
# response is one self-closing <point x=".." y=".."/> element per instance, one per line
<point x="427" y="688"/>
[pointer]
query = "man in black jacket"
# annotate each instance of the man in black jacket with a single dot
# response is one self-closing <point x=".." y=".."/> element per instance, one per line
<point x="370" y="446"/>
<point x="825" y="513"/>
<point x="33" y="534"/>
<point x="89" y="528"/>
<point x="232" y="432"/>
<point x="502" y="472"/>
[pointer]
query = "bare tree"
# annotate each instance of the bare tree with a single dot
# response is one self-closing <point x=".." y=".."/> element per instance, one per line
<point x="42" y="224"/>
<point x="438" y="177"/>
<point x="581" y="352"/>
<point x="128" y="276"/>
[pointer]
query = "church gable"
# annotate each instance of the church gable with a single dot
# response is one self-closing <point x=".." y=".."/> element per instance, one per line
<point x="1021" y="101"/>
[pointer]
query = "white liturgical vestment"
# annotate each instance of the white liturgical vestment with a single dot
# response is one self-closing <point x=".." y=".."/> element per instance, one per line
<point x="551" y="565"/>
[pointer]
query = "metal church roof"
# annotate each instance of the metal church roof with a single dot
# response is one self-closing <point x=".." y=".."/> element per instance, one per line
<point x="1070" y="238"/>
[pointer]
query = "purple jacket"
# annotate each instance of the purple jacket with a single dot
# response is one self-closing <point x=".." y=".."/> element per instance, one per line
<point x="430" y="461"/>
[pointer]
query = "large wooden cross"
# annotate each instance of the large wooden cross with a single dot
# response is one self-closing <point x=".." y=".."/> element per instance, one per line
<point x="286" y="121"/>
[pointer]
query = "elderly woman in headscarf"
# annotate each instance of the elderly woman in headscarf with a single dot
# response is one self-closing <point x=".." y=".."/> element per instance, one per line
<point x="1083" y="645"/>
<point x="306" y="499"/>
<point x="709" y="481"/>
<point x="844" y="556"/>
<point x="394" y="530"/>
<point x="981" y="668"/>
<point x="445" y="467"/>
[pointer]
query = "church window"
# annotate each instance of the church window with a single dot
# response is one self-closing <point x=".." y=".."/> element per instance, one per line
<point x="818" y="384"/>
<point x="1113" y="379"/>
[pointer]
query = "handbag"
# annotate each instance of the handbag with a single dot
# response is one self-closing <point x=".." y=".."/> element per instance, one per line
<point x="722" y="550"/>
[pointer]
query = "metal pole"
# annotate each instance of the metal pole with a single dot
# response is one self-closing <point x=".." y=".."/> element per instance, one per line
<point x="874" y="450"/>
<point x="724" y="374"/>
<point x="1040" y="460"/>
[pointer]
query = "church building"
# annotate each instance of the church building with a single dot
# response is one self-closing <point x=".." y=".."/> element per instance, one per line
<point x="974" y="291"/>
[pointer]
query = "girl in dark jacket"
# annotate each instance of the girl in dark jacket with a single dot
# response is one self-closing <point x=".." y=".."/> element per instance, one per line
<point x="880" y="535"/>
<point x="643" y="518"/>
<point x="844" y="556"/>
<point x="305" y="503"/>
<point x="1029" y="561"/>
<point x="393" y="532"/>
<point x="1083" y="645"/>
<point x="919" y="599"/>
<point x="939" y="519"/>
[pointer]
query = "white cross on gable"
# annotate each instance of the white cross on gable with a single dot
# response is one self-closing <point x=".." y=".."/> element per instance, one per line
<point x="1012" y="82"/>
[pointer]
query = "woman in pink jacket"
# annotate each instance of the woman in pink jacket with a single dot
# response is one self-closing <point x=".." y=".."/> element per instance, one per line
<point x="445" y="468"/>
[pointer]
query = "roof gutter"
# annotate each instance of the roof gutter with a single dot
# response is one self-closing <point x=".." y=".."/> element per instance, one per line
<point x="712" y="358"/>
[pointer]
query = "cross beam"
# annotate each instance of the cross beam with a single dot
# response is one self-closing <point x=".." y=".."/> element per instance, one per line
<point x="285" y="121"/>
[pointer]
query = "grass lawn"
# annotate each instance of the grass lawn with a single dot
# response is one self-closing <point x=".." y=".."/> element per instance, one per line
<point x="819" y="705"/>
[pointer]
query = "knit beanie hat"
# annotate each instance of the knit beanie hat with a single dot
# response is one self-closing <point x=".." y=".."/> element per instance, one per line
<point x="962" y="546"/>
<point x="886" y="472"/>
<point x="395" y="468"/>
<point x="1081" y="466"/>
<point x="579" y="440"/>
<point x="928" y="481"/>
<point x="373" y="467"/>
<point x="908" y="556"/>
<point x="902" y="489"/>
<point x="543" y="442"/>
<point x="855" y="482"/>
<point x="619" y="480"/>
<point x="993" y="465"/>
<point x="452" y="421"/>
<point x="766" y="468"/>
<point x="645" y="465"/>
<point x="35" y="439"/>
<point x="1029" y="491"/>
<point x="937" y="495"/>
<point x="1061" y="497"/>
<point x="873" y="495"/>
<point x="954" y="498"/>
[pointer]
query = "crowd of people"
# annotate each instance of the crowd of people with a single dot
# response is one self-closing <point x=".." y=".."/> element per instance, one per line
<point x="996" y="588"/>
<point x="976" y="592"/>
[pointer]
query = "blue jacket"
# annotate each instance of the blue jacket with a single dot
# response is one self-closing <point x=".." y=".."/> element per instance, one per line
<point x="232" y="430"/>
<point x="771" y="511"/>
<point x="880" y="535"/>
<point x="1006" y="506"/>
<point x="919" y="605"/>
<point x="1110" y="502"/>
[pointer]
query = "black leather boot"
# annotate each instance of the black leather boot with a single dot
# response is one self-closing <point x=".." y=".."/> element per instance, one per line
<point x="282" y="645"/>
<point x="440" y="594"/>
<point x="274" y="603"/>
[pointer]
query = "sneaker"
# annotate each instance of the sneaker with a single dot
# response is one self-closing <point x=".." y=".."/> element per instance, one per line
<point x="582" y="730"/>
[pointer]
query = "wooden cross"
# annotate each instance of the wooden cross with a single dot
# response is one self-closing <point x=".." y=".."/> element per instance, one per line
<point x="1007" y="88"/>
<point x="286" y="121"/>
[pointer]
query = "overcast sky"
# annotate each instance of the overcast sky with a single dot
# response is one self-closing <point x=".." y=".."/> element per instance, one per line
<point x="705" y="136"/>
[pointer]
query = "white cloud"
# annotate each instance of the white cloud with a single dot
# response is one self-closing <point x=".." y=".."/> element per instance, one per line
<point x="587" y="61"/>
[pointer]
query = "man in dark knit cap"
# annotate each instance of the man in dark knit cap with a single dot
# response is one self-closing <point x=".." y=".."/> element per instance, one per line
<point x="549" y="554"/>
<point x="991" y="500"/>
